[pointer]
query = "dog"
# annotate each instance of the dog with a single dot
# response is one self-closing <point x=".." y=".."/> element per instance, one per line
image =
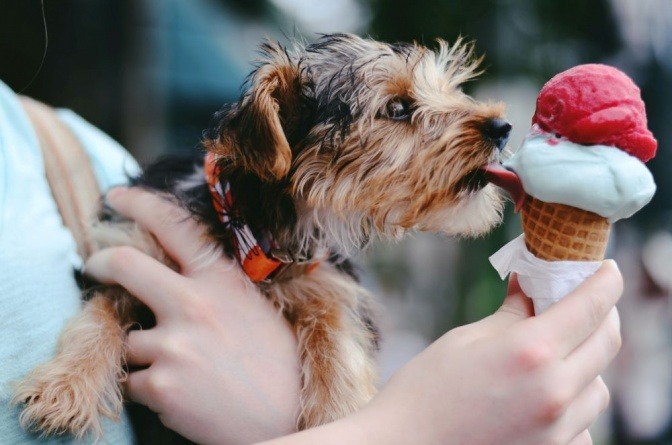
<point x="331" y="146"/>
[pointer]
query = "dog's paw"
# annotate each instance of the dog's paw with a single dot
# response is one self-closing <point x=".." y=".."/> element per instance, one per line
<point x="59" y="401"/>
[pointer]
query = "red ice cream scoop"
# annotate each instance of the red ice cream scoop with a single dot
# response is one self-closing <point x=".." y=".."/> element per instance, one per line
<point x="596" y="104"/>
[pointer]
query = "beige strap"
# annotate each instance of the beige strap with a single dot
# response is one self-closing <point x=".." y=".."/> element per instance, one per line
<point x="68" y="171"/>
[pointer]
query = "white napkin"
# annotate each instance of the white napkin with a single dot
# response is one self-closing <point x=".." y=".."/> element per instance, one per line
<point x="545" y="282"/>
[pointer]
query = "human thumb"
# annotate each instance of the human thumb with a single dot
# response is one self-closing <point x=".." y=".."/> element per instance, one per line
<point x="516" y="305"/>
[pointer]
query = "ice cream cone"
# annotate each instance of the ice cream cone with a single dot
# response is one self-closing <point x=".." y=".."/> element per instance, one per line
<point x="580" y="169"/>
<point x="557" y="232"/>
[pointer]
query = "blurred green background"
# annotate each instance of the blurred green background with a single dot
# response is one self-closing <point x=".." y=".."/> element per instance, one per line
<point x="151" y="72"/>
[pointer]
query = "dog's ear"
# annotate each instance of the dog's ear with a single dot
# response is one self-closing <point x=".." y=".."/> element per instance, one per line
<point x="252" y="134"/>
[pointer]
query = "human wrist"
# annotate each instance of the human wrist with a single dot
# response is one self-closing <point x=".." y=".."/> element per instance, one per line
<point x="381" y="422"/>
<point x="361" y="428"/>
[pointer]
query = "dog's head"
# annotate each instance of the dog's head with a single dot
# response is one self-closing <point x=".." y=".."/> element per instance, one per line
<point x="368" y="138"/>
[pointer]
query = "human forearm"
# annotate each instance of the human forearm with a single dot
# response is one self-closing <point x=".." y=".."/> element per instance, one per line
<point x="362" y="428"/>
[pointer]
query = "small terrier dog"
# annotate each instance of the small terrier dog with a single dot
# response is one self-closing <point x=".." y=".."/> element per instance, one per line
<point x="331" y="146"/>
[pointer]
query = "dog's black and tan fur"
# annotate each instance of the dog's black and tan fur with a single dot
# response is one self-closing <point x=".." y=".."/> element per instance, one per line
<point x="331" y="146"/>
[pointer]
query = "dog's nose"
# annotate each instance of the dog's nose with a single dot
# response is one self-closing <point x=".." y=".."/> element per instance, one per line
<point x="497" y="130"/>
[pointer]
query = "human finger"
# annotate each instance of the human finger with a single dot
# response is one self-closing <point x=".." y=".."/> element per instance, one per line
<point x="516" y="303"/>
<point x="140" y="349"/>
<point x="140" y="387"/>
<point x="573" y="319"/>
<point x="584" y="410"/>
<point x="594" y="355"/>
<point x="515" y="307"/>
<point x="177" y="231"/>
<point x="143" y="276"/>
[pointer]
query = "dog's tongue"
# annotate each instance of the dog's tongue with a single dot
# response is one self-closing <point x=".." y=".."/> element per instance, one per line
<point x="507" y="180"/>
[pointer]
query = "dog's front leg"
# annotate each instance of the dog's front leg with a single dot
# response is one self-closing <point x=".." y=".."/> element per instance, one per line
<point x="69" y="393"/>
<point x="336" y="344"/>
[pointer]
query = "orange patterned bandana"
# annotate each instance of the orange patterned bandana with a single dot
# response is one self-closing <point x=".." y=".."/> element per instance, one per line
<point x="257" y="261"/>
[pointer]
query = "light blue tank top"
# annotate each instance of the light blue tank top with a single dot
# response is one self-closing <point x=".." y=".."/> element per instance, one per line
<point x="38" y="293"/>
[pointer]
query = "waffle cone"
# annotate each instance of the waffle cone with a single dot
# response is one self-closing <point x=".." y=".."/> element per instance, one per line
<point x="556" y="232"/>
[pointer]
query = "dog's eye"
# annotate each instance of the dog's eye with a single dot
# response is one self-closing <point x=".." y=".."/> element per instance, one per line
<point x="398" y="109"/>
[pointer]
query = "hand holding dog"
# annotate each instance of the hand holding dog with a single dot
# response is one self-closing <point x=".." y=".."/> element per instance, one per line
<point x="221" y="363"/>
<point x="213" y="378"/>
